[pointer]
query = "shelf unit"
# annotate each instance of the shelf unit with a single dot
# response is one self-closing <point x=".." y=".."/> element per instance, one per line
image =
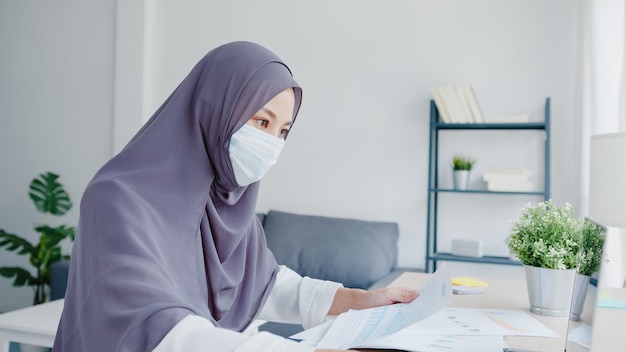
<point x="436" y="127"/>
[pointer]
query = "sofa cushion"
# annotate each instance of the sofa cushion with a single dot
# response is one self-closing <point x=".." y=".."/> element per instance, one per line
<point x="353" y="252"/>
<point x="58" y="279"/>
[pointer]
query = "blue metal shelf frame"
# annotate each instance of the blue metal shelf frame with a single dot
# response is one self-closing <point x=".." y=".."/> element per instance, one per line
<point x="432" y="256"/>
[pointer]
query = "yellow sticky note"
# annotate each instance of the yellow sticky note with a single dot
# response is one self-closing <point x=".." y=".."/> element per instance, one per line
<point x="467" y="281"/>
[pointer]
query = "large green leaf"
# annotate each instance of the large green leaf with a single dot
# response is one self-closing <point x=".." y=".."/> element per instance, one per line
<point x="15" y="243"/>
<point x="48" y="194"/>
<point x="22" y="276"/>
<point x="53" y="235"/>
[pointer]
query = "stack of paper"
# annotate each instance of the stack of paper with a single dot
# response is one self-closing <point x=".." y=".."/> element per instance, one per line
<point x="468" y="285"/>
<point x="513" y="180"/>
<point x="449" y="329"/>
<point x="358" y="327"/>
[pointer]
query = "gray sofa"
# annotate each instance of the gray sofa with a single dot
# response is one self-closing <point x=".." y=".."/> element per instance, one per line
<point x="356" y="253"/>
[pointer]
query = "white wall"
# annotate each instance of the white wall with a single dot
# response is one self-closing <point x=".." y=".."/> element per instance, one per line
<point x="56" y="86"/>
<point x="359" y="146"/>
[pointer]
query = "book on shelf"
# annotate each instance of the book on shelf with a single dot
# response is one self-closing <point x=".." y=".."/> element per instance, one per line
<point x="453" y="103"/>
<point x="514" y="180"/>
<point x="464" y="103"/>
<point x="473" y="103"/>
<point x="457" y="103"/>
<point x="510" y="186"/>
<point x="441" y="107"/>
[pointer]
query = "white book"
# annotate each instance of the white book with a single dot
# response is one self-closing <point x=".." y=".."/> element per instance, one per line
<point x="460" y="91"/>
<point x="489" y="174"/>
<point x="508" y="119"/>
<point x="453" y="104"/>
<point x="512" y="186"/>
<point x="473" y="103"/>
<point x="441" y="107"/>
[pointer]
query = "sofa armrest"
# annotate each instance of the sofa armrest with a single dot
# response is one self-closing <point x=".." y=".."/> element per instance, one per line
<point x="58" y="278"/>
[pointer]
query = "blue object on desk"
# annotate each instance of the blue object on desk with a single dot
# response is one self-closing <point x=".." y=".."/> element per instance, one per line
<point x="611" y="303"/>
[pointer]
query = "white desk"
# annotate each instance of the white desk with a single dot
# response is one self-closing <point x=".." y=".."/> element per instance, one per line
<point x="36" y="325"/>
<point x="508" y="294"/>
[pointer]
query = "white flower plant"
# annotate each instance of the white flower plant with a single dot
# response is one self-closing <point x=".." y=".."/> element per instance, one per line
<point x="590" y="256"/>
<point x="547" y="236"/>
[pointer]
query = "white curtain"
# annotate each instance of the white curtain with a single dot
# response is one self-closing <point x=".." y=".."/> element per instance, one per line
<point x="601" y="55"/>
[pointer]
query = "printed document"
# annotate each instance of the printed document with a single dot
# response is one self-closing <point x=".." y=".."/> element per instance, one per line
<point x="357" y="327"/>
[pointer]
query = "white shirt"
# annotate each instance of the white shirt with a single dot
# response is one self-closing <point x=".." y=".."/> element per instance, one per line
<point x="294" y="299"/>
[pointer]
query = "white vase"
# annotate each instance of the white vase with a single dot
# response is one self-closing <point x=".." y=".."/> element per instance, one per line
<point x="581" y="283"/>
<point x="461" y="179"/>
<point x="549" y="290"/>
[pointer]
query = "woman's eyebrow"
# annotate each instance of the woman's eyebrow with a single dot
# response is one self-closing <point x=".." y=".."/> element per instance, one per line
<point x="269" y="112"/>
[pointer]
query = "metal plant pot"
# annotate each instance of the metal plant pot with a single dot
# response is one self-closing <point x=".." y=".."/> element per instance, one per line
<point x="461" y="179"/>
<point x="549" y="290"/>
<point x="579" y="295"/>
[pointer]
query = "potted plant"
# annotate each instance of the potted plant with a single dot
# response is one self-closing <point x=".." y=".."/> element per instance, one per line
<point x="546" y="239"/>
<point x="461" y="167"/>
<point x="49" y="197"/>
<point x="589" y="258"/>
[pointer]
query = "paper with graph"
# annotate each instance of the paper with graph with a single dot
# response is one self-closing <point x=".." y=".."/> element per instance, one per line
<point x="479" y="322"/>
<point x="466" y="330"/>
<point x="357" y="327"/>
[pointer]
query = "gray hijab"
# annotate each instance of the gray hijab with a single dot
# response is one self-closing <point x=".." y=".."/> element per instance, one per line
<point x="164" y="229"/>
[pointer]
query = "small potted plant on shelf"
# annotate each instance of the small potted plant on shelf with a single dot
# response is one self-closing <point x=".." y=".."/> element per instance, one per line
<point x="49" y="197"/>
<point x="546" y="239"/>
<point x="461" y="167"/>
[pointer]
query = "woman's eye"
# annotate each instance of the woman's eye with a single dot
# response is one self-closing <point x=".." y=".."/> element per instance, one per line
<point x="283" y="133"/>
<point x="262" y="123"/>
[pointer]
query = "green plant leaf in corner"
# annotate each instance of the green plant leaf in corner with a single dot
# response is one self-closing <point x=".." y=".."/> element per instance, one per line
<point x="15" y="243"/>
<point x="48" y="194"/>
<point x="22" y="276"/>
<point x="54" y="235"/>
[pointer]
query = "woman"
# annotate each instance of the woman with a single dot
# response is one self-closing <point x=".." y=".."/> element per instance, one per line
<point x="169" y="254"/>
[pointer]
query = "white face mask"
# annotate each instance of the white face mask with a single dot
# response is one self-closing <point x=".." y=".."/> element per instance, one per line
<point x="252" y="153"/>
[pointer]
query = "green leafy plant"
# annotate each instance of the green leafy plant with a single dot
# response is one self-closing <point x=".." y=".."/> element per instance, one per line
<point x="49" y="197"/>
<point x="461" y="162"/>
<point x="546" y="236"/>
<point x="592" y="243"/>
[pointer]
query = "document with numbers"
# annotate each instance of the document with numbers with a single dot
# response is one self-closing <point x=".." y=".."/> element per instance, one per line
<point x="356" y="327"/>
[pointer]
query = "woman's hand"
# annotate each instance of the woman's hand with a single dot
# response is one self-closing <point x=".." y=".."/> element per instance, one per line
<point x="348" y="298"/>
